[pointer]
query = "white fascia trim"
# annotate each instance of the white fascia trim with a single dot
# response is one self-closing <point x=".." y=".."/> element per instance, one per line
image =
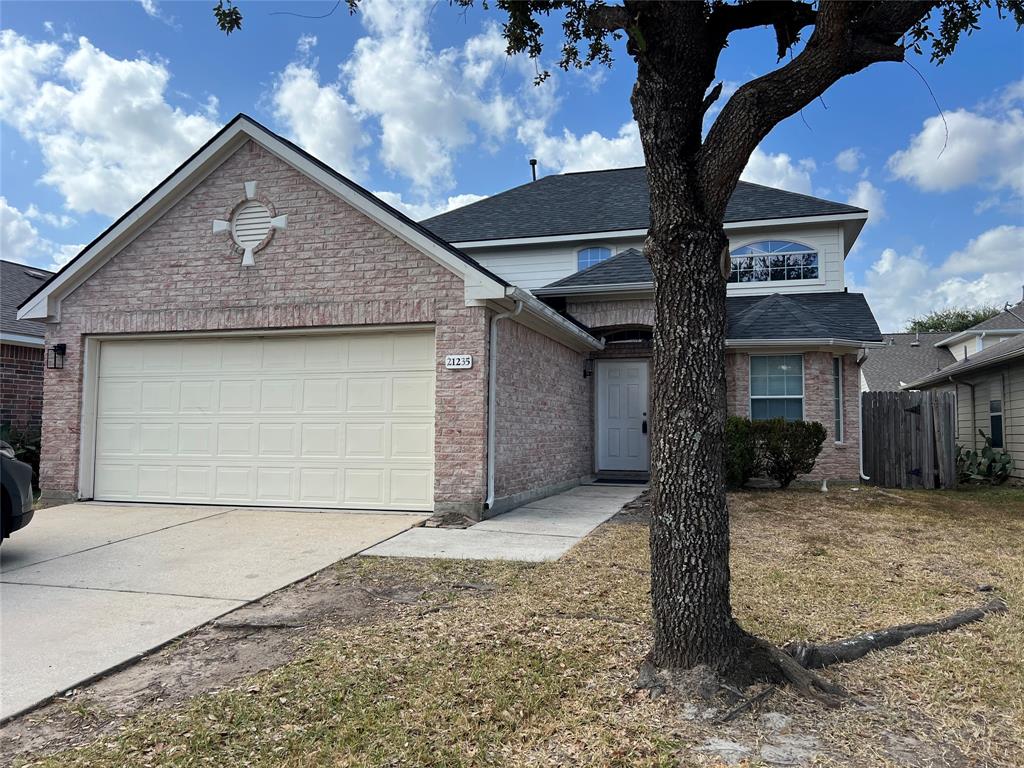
<point x="830" y="342"/>
<point x="46" y="305"/>
<point x="634" y="233"/>
<point x="940" y="377"/>
<point x="551" y="323"/>
<point x="583" y="289"/>
<point x="964" y="335"/>
<point x="22" y="340"/>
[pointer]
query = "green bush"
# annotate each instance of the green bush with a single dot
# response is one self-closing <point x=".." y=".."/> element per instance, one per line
<point x="788" y="448"/>
<point x="26" y="447"/>
<point x="741" y="454"/>
<point x="989" y="465"/>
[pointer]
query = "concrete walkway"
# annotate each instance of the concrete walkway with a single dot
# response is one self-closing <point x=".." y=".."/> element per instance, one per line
<point x="87" y="587"/>
<point x="540" y="531"/>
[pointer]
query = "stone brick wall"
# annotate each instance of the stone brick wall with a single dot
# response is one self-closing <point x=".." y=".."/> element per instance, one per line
<point x="545" y="426"/>
<point x="602" y="314"/>
<point x="332" y="266"/>
<point x="21" y="386"/>
<point x="837" y="460"/>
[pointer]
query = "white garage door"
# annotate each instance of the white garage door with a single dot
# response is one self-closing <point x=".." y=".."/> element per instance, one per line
<point x="341" y="420"/>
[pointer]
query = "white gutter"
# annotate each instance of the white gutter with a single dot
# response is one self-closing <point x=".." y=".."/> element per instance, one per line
<point x="958" y="337"/>
<point x="492" y="398"/>
<point x="812" y="342"/>
<point x="21" y="339"/>
<point x="584" y="289"/>
<point x="551" y="318"/>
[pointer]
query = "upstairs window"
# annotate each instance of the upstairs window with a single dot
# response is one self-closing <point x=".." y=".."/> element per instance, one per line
<point x="588" y="257"/>
<point x="773" y="261"/>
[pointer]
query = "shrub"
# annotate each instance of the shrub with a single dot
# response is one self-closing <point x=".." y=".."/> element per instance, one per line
<point x="741" y="453"/>
<point x="26" y="447"/>
<point x="990" y="465"/>
<point x="788" y="448"/>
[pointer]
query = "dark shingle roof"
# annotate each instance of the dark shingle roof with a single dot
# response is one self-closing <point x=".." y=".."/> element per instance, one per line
<point x="889" y="368"/>
<point x="833" y="315"/>
<point x="17" y="283"/>
<point x="1004" y="320"/>
<point x="1011" y="349"/>
<point x="628" y="266"/>
<point x="603" y="201"/>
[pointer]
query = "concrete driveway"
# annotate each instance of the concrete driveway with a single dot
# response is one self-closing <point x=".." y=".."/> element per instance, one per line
<point x="87" y="587"/>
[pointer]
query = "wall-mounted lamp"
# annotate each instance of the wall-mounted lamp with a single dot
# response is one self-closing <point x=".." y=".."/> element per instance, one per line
<point x="55" y="356"/>
<point x="588" y="368"/>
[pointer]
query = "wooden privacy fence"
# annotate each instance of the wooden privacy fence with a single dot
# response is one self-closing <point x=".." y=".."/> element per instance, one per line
<point x="910" y="439"/>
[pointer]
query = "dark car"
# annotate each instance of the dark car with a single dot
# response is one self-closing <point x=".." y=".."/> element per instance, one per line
<point x="16" y="492"/>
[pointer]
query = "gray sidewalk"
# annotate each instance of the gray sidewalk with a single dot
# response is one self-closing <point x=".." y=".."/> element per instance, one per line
<point x="540" y="531"/>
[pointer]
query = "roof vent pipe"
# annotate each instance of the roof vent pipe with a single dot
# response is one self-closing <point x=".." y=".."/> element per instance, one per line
<point x="917" y="340"/>
<point x="533" y="167"/>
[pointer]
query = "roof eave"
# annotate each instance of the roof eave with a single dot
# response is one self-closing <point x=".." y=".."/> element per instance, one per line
<point x="805" y="342"/>
<point x="44" y="304"/>
<point x="949" y="375"/>
<point x="606" y="288"/>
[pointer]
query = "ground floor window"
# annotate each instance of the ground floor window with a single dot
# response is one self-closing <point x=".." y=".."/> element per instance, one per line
<point x="837" y="398"/>
<point x="995" y="413"/>
<point x="777" y="387"/>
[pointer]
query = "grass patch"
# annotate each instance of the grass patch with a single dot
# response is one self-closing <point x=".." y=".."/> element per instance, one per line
<point x="539" y="670"/>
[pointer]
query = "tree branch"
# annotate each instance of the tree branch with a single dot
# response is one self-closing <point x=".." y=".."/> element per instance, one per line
<point x="786" y="16"/>
<point x="608" y="17"/>
<point x="847" y="37"/>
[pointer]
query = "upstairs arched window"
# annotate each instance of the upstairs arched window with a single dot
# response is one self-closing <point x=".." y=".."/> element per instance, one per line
<point x="588" y="257"/>
<point x="772" y="261"/>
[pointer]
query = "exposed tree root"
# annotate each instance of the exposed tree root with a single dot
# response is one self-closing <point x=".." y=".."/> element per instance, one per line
<point x="794" y="663"/>
<point x="815" y="656"/>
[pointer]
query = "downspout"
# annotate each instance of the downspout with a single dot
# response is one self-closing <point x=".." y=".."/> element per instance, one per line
<point x="860" y="417"/>
<point x="492" y="398"/>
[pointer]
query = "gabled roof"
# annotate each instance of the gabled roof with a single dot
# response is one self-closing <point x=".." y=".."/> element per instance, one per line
<point x="905" y="357"/>
<point x="1010" y="319"/>
<point x="17" y="283"/>
<point x="833" y="315"/>
<point x="998" y="354"/>
<point x="605" y="201"/>
<point x="44" y="302"/>
<point x="628" y="267"/>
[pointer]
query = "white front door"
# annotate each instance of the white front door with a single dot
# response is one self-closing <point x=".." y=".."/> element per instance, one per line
<point x="622" y="426"/>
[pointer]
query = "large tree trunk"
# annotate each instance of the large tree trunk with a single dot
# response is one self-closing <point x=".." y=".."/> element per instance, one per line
<point x="693" y="621"/>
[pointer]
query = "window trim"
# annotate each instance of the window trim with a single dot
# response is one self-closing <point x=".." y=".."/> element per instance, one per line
<point x="819" y="280"/>
<point x="996" y="388"/>
<point x="803" y="385"/>
<point x="838" y="403"/>
<point x="595" y="246"/>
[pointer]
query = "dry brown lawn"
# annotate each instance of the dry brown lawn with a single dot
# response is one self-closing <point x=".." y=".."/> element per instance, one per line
<point x="539" y="671"/>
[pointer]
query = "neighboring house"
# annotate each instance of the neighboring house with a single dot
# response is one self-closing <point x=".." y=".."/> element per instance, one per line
<point x="989" y="387"/>
<point x="794" y="333"/>
<point x="985" y="334"/>
<point x="21" y="349"/>
<point x="903" y="358"/>
<point x="260" y="330"/>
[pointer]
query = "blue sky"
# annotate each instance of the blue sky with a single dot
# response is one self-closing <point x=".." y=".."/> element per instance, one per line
<point x="418" y="102"/>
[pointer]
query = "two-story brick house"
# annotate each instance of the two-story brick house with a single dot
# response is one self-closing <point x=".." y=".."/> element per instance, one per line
<point x="260" y="330"/>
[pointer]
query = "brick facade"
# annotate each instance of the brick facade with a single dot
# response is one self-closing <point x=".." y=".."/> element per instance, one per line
<point x="21" y="387"/>
<point x="545" y="422"/>
<point x="837" y="460"/>
<point x="332" y="266"/>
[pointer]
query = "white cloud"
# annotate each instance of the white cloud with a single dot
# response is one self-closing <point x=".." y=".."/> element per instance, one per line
<point x="153" y="10"/>
<point x="779" y="171"/>
<point x="58" y="221"/>
<point x="426" y="209"/>
<point x="319" y="117"/>
<point x="21" y="242"/>
<point x="997" y="250"/>
<point x="429" y="103"/>
<point x="105" y="129"/>
<point x="849" y="159"/>
<point x="900" y="286"/>
<point x="984" y="147"/>
<point x="866" y="195"/>
<point x="590" y="152"/>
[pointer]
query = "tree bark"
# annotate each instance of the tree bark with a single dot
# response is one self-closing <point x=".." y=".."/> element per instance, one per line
<point x="689" y="537"/>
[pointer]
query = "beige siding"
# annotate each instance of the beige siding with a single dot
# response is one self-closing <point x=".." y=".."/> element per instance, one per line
<point x="1013" y="418"/>
<point x="973" y="414"/>
<point x="536" y="266"/>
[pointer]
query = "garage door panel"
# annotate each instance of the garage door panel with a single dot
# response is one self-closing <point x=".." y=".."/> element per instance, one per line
<point x="324" y="420"/>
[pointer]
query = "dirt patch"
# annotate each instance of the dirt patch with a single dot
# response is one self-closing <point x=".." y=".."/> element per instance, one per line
<point x="260" y="636"/>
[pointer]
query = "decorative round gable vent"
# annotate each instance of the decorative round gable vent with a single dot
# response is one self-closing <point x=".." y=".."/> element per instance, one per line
<point x="251" y="224"/>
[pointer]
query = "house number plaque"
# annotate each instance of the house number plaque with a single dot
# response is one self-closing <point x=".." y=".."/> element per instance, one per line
<point x="458" y="362"/>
